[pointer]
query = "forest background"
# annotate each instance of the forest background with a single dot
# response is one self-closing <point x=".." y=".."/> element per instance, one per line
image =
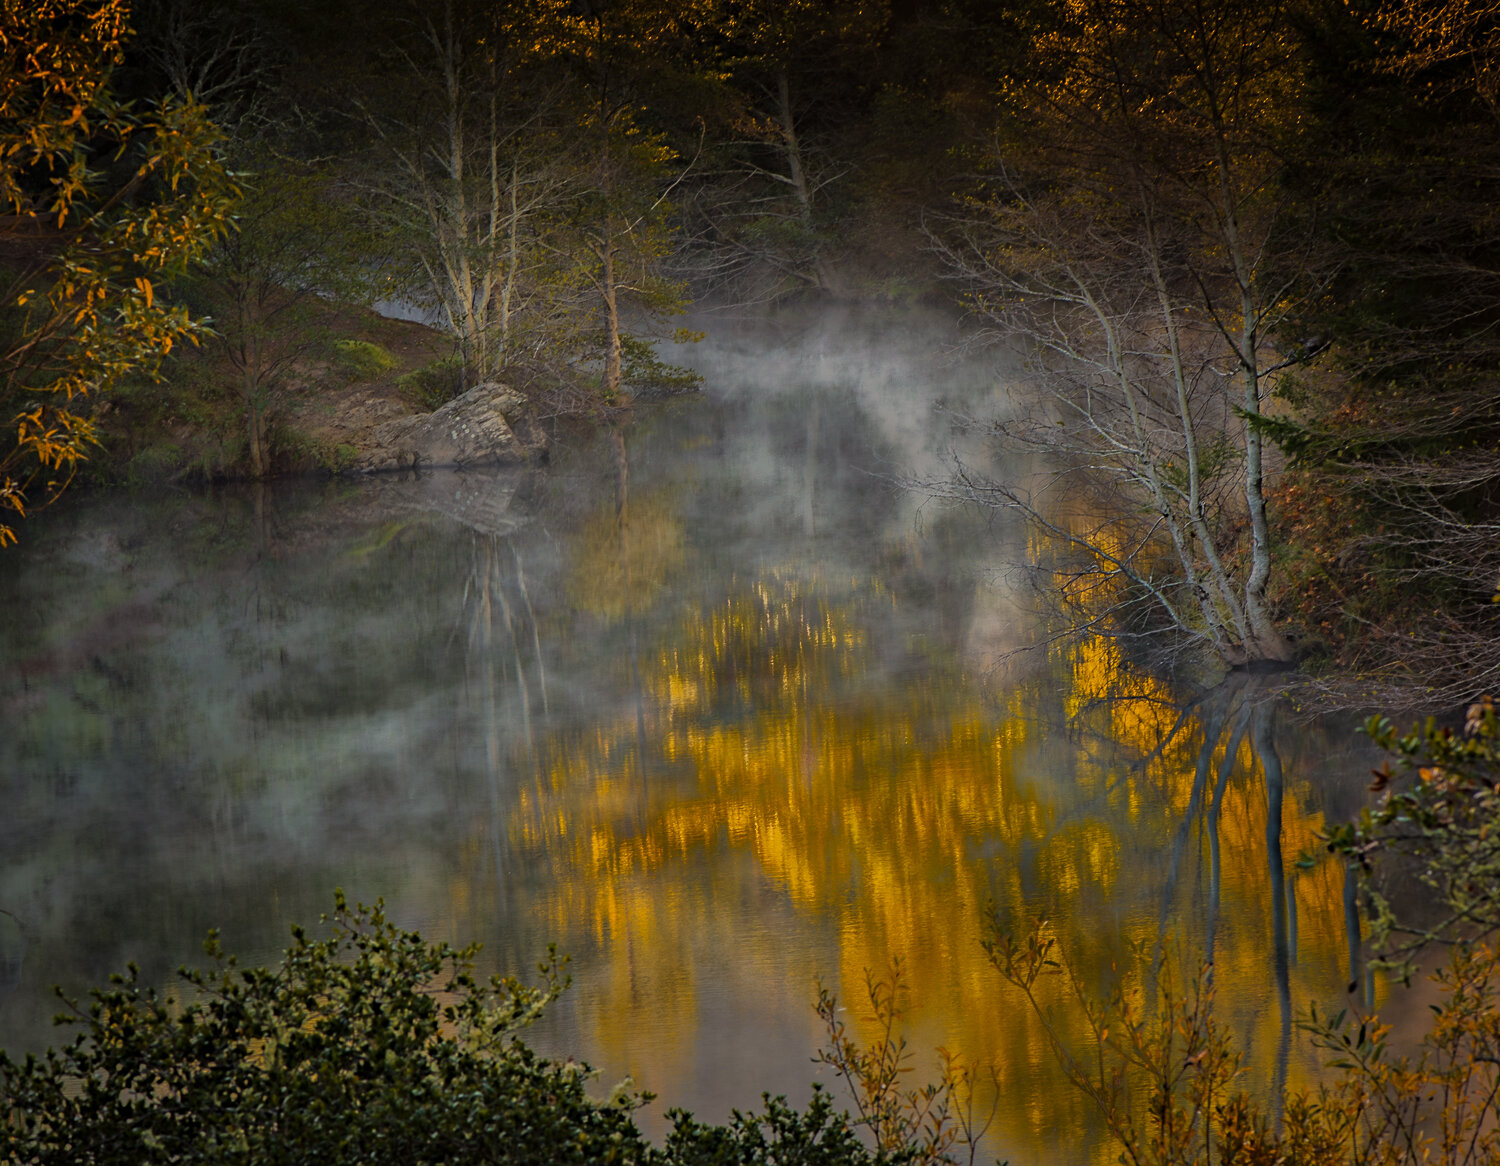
<point x="1244" y="254"/>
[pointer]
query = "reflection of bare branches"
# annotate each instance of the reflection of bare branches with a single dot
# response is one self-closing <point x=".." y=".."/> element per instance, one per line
<point x="1212" y="726"/>
<point x="498" y="645"/>
<point x="536" y="639"/>
<point x="1211" y="826"/>
<point x="1264" y="743"/>
<point x="1361" y="974"/>
<point x="501" y="619"/>
<point x="1216" y="725"/>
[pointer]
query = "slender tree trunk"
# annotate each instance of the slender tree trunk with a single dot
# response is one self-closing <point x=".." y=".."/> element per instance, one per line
<point x="512" y="261"/>
<point x="1148" y="474"/>
<point x="471" y="329"/>
<point x="1222" y="600"/>
<point x="612" y="352"/>
<point x="253" y="432"/>
<point x="495" y="353"/>
<point x="1269" y="642"/>
<point x="1266" y="642"/>
<point x="254" y="413"/>
<point x="604" y="250"/>
<point x="827" y="279"/>
<point x="793" y="151"/>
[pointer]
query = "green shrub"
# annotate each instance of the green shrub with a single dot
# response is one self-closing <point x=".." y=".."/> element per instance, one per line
<point x="779" y="1137"/>
<point x="371" y="1046"/>
<point x="341" y="457"/>
<point x="1437" y="828"/>
<point x="433" y="385"/>
<point x="155" y="463"/>
<point x="362" y="361"/>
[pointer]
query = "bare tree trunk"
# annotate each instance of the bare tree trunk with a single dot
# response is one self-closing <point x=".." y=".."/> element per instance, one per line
<point x="827" y="279"/>
<point x="792" y="150"/>
<point x="612" y="352"/>
<point x="1222" y="597"/>
<point x="512" y="260"/>
<point x="255" y="418"/>
<point x="1266" y="642"/>
<point x="253" y="432"/>
<point x="1174" y="112"/>
<point x="470" y="330"/>
<point x="1269" y="643"/>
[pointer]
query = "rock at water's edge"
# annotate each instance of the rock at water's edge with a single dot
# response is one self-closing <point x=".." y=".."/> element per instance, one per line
<point x="471" y="430"/>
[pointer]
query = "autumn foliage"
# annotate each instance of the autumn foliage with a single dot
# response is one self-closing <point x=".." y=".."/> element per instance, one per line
<point x="102" y="202"/>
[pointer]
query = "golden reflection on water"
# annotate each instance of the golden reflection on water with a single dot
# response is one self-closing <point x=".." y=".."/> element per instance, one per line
<point x="715" y="789"/>
<point x="774" y="779"/>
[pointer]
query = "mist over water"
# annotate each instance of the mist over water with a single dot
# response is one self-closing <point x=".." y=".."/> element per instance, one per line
<point x="912" y="372"/>
<point x="721" y="720"/>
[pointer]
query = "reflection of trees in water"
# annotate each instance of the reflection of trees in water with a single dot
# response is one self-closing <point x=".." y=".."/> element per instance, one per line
<point x="1303" y="911"/>
<point x="1215" y="804"/>
<point x="626" y="552"/>
<point x="1236" y="729"/>
<point x="801" y="779"/>
<point x="1237" y="712"/>
<point x="895" y="807"/>
<point x="503" y="636"/>
<point x="504" y="664"/>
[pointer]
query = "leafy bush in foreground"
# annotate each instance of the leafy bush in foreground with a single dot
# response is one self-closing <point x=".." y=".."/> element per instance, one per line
<point x="372" y="1046"/>
<point x="1436" y="831"/>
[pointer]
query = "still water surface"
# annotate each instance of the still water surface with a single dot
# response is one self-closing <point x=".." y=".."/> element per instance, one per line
<point x="715" y="708"/>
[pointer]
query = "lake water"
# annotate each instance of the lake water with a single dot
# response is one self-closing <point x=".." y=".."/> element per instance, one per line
<point x="715" y="707"/>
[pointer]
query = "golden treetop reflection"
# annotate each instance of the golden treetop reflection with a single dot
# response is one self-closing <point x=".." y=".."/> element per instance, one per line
<point x="777" y="775"/>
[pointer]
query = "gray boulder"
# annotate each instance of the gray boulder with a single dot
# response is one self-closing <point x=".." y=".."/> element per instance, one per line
<point x="471" y="430"/>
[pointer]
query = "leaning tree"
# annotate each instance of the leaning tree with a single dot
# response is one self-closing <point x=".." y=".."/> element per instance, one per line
<point x="1125" y="233"/>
